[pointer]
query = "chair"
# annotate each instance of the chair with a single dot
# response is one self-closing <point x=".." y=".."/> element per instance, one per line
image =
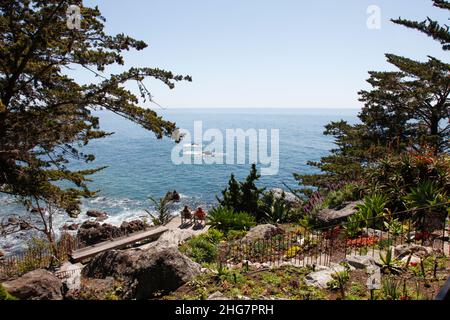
<point x="199" y="216"/>
<point x="186" y="216"/>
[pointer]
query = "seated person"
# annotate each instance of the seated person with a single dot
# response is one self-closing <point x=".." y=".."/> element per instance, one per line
<point x="186" y="213"/>
<point x="199" y="214"/>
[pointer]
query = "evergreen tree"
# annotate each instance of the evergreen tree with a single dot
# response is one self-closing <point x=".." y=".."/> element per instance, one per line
<point x="406" y="108"/>
<point x="45" y="114"/>
<point x="431" y="27"/>
<point x="243" y="196"/>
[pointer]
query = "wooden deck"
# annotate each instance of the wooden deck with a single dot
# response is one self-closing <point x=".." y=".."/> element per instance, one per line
<point x="117" y="243"/>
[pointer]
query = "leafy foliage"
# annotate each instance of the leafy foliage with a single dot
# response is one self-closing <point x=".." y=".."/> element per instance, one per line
<point x="4" y="295"/>
<point x="372" y="210"/>
<point x="243" y="196"/>
<point x="203" y="248"/>
<point x="275" y="209"/>
<point x="162" y="207"/>
<point x="45" y="114"/>
<point x="406" y="109"/>
<point x="388" y="264"/>
<point x="226" y="219"/>
<point x="427" y="198"/>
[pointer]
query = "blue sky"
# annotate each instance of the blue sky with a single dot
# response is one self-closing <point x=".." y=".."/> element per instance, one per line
<point x="267" y="53"/>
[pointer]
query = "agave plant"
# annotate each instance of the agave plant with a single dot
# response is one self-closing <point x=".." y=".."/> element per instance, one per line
<point x="353" y="226"/>
<point x="394" y="227"/>
<point x="276" y="210"/>
<point x="427" y="198"/>
<point x="389" y="265"/>
<point x="372" y="210"/>
<point x="391" y="288"/>
<point x="340" y="279"/>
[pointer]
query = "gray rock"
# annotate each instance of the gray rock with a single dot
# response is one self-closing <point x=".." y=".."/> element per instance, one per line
<point x="261" y="232"/>
<point x="145" y="272"/>
<point x="374" y="280"/>
<point x="35" y="285"/>
<point x="413" y="259"/>
<point x="369" y="232"/>
<point x="332" y="217"/>
<point x="405" y="250"/>
<point x="322" y="276"/>
<point x="360" y="262"/>
<point x="217" y="296"/>
<point x="71" y="276"/>
<point x="289" y="197"/>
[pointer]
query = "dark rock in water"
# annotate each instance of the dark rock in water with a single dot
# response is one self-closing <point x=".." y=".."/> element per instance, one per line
<point x="97" y="214"/>
<point x="25" y="226"/>
<point x="261" y="232"/>
<point x="37" y="210"/>
<point x="2" y="255"/>
<point x="144" y="272"/>
<point x="92" y="232"/>
<point x="172" y="196"/>
<point x="133" y="226"/>
<point x="12" y="220"/>
<point x="70" y="227"/>
<point x="332" y="217"/>
<point x="35" y="285"/>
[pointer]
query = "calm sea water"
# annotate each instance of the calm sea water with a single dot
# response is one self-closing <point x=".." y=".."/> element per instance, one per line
<point x="139" y="165"/>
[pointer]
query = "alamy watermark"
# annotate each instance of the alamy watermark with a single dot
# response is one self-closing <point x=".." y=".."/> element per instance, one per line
<point x="73" y="14"/>
<point x="236" y="146"/>
<point x="374" y="19"/>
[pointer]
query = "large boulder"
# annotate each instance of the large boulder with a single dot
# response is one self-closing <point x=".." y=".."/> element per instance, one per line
<point x="289" y="197"/>
<point x="99" y="215"/>
<point x="261" y="232"/>
<point x="405" y="250"/>
<point x="133" y="226"/>
<point x="322" y="276"/>
<point x="332" y="217"/>
<point x="144" y="272"/>
<point x="360" y="262"/>
<point x="35" y="285"/>
<point x="91" y="232"/>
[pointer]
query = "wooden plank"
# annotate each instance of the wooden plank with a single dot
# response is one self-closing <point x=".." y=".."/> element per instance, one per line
<point x="117" y="243"/>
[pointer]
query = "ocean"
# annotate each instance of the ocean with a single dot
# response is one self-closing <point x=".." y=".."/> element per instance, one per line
<point x="139" y="165"/>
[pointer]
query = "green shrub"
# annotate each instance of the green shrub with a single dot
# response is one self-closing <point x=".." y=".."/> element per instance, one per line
<point x="372" y="210"/>
<point x="4" y="295"/>
<point x="203" y="248"/>
<point x="225" y="219"/>
<point x="427" y="194"/>
<point x="395" y="175"/>
<point x="353" y="227"/>
<point x="244" y="196"/>
<point x="336" y="199"/>
<point x="235" y="234"/>
<point x="276" y="210"/>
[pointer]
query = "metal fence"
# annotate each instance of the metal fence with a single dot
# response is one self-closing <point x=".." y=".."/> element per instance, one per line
<point x="323" y="246"/>
<point x="38" y="255"/>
